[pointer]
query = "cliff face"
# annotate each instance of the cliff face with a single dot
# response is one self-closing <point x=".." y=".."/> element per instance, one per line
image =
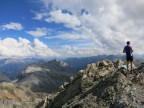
<point x="101" y="85"/>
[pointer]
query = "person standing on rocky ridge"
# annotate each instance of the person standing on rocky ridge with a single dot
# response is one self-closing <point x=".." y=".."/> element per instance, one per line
<point x="129" y="56"/>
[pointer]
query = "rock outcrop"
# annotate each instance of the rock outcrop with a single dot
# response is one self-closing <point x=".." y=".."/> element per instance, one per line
<point x="101" y="85"/>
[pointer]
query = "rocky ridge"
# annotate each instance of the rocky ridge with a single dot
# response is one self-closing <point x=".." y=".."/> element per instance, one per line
<point x="100" y="85"/>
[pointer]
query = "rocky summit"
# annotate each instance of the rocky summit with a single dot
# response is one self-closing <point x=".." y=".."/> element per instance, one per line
<point x="100" y="85"/>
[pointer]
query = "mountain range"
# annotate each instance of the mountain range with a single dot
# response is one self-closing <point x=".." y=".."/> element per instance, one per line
<point x="81" y="62"/>
<point x="11" y="67"/>
<point x="75" y="84"/>
<point x="33" y="82"/>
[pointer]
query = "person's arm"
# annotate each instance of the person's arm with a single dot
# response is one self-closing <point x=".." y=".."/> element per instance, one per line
<point x="131" y="50"/>
<point x="124" y="50"/>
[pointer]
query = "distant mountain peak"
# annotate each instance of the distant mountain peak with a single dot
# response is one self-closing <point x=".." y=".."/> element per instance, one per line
<point x="62" y="63"/>
<point x="52" y="73"/>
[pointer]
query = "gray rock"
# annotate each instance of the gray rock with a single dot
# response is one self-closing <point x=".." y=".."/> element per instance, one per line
<point x="102" y="85"/>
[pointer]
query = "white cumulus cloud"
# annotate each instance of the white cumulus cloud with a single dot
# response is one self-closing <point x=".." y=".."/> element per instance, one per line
<point x="12" y="26"/>
<point x="40" y="16"/>
<point x="10" y="47"/>
<point x="74" y="51"/>
<point x="108" y="23"/>
<point x="39" y="32"/>
<point x="67" y="19"/>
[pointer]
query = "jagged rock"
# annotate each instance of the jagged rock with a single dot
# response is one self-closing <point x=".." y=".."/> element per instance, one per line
<point x="102" y="85"/>
<point x="118" y="63"/>
<point x="103" y="63"/>
<point x="71" y="79"/>
<point x="61" y="88"/>
<point x="140" y="78"/>
<point x="65" y="84"/>
<point x="133" y="66"/>
<point x="64" y="64"/>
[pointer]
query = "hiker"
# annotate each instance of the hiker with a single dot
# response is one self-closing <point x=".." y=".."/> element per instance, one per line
<point x="129" y="56"/>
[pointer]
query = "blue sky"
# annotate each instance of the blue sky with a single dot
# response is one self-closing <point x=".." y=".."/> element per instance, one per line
<point x="73" y="28"/>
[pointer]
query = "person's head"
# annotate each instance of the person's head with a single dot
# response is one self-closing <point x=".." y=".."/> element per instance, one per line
<point x="128" y="42"/>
